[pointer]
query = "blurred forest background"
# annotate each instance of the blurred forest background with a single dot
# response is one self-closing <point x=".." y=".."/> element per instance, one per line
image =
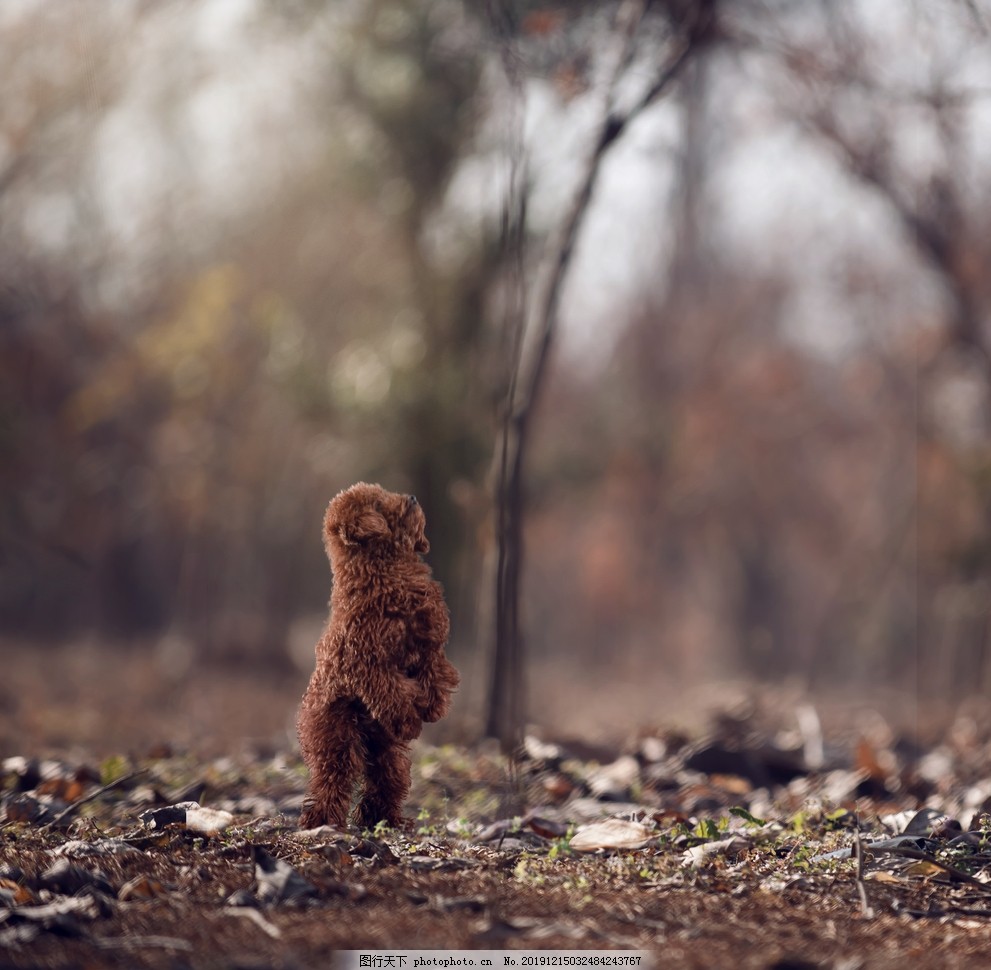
<point x="254" y="251"/>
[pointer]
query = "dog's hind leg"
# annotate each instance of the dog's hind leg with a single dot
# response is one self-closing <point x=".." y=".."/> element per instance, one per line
<point x="387" y="781"/>
<point x="335" y="757"/>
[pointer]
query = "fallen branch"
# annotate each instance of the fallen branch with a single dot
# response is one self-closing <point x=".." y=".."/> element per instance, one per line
<point x="957" y="875"/>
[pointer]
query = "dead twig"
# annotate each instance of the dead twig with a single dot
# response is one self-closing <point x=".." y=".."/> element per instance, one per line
<point x="866" y="910"/>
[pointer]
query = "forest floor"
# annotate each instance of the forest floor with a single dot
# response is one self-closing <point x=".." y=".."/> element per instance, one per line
<point x="776" y="837"/>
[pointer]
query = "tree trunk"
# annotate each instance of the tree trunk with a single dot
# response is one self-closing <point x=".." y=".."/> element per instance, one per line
<point x="535" y="328"/>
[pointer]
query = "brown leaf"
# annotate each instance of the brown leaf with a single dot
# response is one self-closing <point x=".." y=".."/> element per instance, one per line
<point x="15" y="893"/>
<point x="140" y="887"/>
<point x="547" y="828"/>
<point x="25" y="808"/>
<point x="867" y="761"/>
<point x="734" y="784"/>
<point x="66" y="789"/>
<point x="557" y="786"/>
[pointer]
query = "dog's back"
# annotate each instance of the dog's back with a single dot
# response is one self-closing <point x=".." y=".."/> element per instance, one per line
<point x="380" y="664"/>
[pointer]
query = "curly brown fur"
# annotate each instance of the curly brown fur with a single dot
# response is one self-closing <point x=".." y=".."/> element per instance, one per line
<point x="380" y="664"/>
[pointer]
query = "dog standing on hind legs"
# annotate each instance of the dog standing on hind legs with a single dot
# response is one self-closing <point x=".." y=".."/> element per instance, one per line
<point x="380" y="664"/>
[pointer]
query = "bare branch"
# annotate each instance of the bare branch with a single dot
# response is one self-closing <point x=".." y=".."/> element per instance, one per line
<point x="931" y="219"/>
<point x="539" y="316"/>
<point x="547" y="289"/>
<point x="979" y="17"/>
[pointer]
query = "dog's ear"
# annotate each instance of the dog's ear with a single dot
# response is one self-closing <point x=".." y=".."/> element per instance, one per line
<point x="369" y="524"/>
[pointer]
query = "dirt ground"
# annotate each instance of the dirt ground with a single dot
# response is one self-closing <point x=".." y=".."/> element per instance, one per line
<point x="717" y="861"/>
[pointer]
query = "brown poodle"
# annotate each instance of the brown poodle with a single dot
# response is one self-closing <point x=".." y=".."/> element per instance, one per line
<point x="381" y="669"/>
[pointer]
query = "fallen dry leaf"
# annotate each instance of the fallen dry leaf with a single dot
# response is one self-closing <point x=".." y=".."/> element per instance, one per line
<point x="611" y="833"/>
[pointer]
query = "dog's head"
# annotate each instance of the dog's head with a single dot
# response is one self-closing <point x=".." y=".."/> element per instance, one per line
<point x="366" y="518"/>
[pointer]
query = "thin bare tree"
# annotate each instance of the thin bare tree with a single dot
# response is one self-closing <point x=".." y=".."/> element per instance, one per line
<point x="536" y="326"/>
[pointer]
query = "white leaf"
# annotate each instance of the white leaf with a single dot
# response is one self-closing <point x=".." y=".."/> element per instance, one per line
<point x="209" y="821"/>
<point x="698" y="854"/>
<point x="611" y="833"/>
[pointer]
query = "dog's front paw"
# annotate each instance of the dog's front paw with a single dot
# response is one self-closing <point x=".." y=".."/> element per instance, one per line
<point x="407" y="728"/>
<point x="434" y="708"/>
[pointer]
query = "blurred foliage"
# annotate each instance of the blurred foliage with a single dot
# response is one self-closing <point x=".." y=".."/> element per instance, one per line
<point x="236" y="277"/>
<point x="170" y="469"/>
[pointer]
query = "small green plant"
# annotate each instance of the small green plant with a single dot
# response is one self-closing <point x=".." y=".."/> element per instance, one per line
<point x="750" y="820"/>
<point x="562" y="846"/>
<point x="985" y="830"/>
<point x="839" y="819"/>
<point x="526" y="870"/>
<point x="463" y="827"/>
<point x="112" y="769"/>
<point x="804" y="859"/>
<point x="578" y="884"/>
<point x="706" y="829"/>
<point x="427" y="827"/>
